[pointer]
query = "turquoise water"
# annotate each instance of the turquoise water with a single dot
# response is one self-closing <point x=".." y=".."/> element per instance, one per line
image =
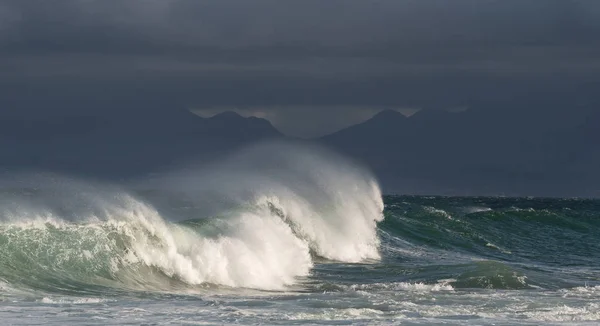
<point x="433" y="260"/>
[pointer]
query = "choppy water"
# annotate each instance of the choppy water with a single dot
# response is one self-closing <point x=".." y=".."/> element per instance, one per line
<point x="443" y="260"/>
<point x="306" y="242"/>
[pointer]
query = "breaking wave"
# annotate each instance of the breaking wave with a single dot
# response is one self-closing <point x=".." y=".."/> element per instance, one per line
<point x="274" y="208"/>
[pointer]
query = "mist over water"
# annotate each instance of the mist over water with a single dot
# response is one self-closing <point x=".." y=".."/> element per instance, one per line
<point x="285" y="233"/>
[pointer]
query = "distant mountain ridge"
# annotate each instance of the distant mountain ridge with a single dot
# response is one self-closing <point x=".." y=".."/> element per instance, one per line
<point x="382" y="124"/>
<point x="431" y="152"/>
<point x="471" y="152"/>
<point x="131" y="142"/>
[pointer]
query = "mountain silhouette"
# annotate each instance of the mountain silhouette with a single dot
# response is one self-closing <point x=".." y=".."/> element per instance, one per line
<point x="124" y="143"/>
<point x="512" y="151"/>
<point x="478" y="152"/>
<point x="387" y="123"/>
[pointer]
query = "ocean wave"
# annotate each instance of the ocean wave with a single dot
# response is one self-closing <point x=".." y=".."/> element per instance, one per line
<point x="438" y="212"/>
<point x="69" y="240"/>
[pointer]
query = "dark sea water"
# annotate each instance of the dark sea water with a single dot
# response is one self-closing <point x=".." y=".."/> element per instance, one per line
<point x="443" y="260"/>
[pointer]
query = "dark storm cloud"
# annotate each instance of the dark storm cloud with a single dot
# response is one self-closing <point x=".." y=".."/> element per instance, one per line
<point x="190" y="23"/>
<point x="284" y="54"/>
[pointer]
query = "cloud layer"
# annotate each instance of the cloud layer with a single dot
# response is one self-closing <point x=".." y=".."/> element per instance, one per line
<point x="95" y="54"/>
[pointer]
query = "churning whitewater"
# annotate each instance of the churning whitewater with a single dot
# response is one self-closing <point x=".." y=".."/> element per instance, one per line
<point x="71" y="236"/>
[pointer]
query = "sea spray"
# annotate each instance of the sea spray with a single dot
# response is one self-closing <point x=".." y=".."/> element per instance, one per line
<point x="278" y="205"/>
<point x="329" y="202"/>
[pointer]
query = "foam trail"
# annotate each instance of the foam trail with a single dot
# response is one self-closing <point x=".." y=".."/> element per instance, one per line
<point x="276" y="205"/>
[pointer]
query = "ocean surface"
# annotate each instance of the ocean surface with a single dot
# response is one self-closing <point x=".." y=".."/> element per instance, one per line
<point x="302" y="241"/>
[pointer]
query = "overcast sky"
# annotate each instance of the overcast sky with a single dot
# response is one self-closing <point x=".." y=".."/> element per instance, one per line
<point x="310" y="66"/>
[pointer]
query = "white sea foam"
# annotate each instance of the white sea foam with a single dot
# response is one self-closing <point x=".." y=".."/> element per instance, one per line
<point x="439" y="212"/>
<point x="476" y="209"/>
<point x="564" y="313"/>
<point x="49" y="300"/>
<point x="502" y="250"/>
<point x="341" y="315"/>
<point x="582" y="291"/>
<point x="253" y="250"/>
<point x="406" y="286"/>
